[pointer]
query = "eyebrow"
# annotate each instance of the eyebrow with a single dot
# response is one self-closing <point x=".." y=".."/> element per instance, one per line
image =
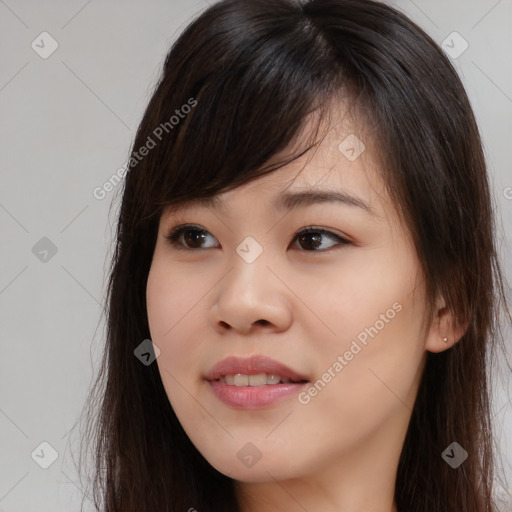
<point x="290" y="201"/>
<point x="294" y="200"/>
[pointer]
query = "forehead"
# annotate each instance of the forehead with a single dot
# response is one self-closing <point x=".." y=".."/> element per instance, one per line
<point x="340" y="166"/>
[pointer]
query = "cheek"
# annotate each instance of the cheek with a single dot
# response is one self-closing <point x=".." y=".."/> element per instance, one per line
<point x="172" y="298"/>
<point x="168" y="325"/>
<point x="375" y="310"/>
<point x="173" y="304"/>
<point x="165" y="308"/>
<point x="369" y="297"/>
<point x="159" y="301"/>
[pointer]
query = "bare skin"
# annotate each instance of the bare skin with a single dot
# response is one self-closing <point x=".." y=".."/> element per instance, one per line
<point x="338" y="449"/>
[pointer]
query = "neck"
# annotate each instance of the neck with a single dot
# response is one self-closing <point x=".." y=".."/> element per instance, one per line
<point x="357" y="482"/>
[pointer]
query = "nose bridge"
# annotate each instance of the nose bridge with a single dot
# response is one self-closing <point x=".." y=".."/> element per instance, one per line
<point x="249" y="277"/>
<point x="250" y="292"/>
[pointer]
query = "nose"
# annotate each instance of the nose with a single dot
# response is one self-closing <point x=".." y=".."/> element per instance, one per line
<point x="251" y="297"/>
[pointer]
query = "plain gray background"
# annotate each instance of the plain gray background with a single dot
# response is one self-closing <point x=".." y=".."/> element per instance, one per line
<point x="67" y="122"/>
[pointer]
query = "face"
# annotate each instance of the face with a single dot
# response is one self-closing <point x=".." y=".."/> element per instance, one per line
<point x="324" y="291"/>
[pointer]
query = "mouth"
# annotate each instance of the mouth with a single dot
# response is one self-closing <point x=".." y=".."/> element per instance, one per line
<point x="251" y="371"/>
<point x="255" y="382"/>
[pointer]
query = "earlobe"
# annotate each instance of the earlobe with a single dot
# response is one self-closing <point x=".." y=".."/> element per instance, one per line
<point x="444" y="331"/>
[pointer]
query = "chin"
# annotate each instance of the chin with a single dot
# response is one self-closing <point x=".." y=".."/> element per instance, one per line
<point x="268" y="468"/>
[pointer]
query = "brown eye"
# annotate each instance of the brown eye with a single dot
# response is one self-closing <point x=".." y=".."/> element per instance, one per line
<point x="188" y="237"/>
<point x="311" y="239"/>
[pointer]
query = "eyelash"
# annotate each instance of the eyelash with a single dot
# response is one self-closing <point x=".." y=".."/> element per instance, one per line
<point x="174" y="237"/>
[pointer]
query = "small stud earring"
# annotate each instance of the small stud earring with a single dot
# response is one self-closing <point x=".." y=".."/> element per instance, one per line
<point x="445" y="339"/>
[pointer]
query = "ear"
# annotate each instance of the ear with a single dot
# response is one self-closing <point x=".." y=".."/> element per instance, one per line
<point x="444" y="331"/>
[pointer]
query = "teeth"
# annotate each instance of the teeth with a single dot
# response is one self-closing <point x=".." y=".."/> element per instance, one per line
<point x="241" y="380"/>
<point x="273" y="379"/>
<point x="260" y="379"/>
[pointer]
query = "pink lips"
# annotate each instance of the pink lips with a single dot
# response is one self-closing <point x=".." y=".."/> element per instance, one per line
<point x="251" y="397"/>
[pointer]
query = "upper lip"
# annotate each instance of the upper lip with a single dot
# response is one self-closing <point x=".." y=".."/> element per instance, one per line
<point x="252" y="366"/>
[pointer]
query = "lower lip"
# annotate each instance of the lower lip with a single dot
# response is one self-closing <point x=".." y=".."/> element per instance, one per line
<point x="254" y="397"/>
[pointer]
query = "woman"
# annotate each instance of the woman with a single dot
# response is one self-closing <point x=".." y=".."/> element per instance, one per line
<point x="304" y="292"/>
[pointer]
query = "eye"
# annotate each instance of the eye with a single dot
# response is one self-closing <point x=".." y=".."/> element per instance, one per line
<point x="193" y="235"/>
<point x="312" y="237"/>
<point x="190" y="237"/>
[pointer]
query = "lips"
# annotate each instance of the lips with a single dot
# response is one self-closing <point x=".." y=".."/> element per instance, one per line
<point x="257" y="382"/>
<point x="253" y="366"/>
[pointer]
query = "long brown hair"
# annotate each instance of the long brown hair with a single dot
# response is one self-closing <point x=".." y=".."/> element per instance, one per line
<point x="250" y="72"/>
